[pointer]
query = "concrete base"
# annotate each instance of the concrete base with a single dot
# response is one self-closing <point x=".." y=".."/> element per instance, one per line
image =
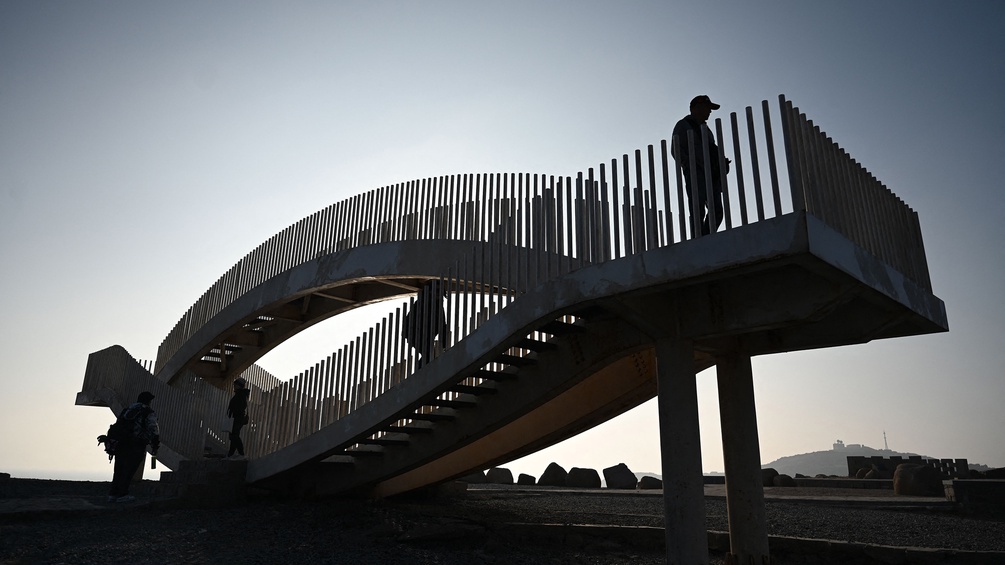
<point x="211" y="483"/>
<point x="983" y="496"/>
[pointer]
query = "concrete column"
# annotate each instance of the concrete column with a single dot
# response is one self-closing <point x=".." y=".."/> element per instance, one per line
<point x="748" y="532"/>
<point x="680" y="446"/>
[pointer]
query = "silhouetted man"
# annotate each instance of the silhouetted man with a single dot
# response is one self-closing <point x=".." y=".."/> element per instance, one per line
<point x="426" y="320"/>
<point x="131" y="451"/>
<point x="695" y="181"/>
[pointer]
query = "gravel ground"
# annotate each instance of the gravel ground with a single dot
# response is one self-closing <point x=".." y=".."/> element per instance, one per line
<point x="442" y="531"/>
<point x="894" y="526"/>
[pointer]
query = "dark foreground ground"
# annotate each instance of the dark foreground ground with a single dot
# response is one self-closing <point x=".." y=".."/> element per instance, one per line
<point x="70" y="522"/>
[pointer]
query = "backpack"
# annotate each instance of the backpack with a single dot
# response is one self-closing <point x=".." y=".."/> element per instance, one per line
<point x="123" y="431"/>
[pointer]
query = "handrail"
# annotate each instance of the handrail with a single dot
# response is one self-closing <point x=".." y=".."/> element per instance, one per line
<point x="834" y="187"/>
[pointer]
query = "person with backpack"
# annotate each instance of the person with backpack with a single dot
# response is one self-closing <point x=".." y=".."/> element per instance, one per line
<point x="138" y="423"/>
<point x="238" y="410"/>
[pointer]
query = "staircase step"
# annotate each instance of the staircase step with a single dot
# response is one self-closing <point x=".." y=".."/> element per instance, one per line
<point x="556" y="327"/>
<point x="409" y="429"/>
<point x="535" y="345"/>
<point x="515" y="361"/>
<point x="383" y="441"/>
<point x="433" y="417"/>
<point x="473" y="390"/>
<point x="496" y="376"/>
<point x="361" y="452"/>
<point x="441" y="403"/>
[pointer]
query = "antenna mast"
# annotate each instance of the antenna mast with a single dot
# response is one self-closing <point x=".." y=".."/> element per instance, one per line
<point x="886" y="446"/>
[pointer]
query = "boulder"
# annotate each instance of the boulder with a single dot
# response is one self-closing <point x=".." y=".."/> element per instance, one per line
<point x="620" y="477"/>
<point x="499" y="476"/>
<point x="553" y="476"/>
<point x="650" y="483"/>
<point x="583" y="478"/>
<point x="475" y="478"/>
<point x="917" y="480"/>
<point x="783" y="480"/>
<point x="525" y="479"/>
<point x="768" y="477"/>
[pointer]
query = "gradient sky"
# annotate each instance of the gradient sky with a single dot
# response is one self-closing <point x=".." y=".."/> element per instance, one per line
<point x="146" y="147"/>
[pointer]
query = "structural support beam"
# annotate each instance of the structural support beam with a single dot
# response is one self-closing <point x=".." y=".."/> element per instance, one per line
<point x="680" y="446"/>
<point x="741" y="453"/>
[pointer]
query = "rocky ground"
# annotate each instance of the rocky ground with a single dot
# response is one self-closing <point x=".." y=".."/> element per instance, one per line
<point x="70" y="522"/>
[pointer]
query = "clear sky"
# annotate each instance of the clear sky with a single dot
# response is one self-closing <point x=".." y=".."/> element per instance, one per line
<point x="145" y="147"/>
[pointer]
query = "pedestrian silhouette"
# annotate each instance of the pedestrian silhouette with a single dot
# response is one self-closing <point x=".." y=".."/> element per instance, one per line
<point x="237" y="409"/>
<point x="426" y="320"/>
<point x="144" y="434"/>
<point x="693" y="147"/>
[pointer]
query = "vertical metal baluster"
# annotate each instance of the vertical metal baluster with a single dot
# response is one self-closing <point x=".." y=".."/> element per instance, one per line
<point x="463" y="309"/>
<point x="738" y="169"/>
<point x="562" y="247"/>
<point x="727" y="213"/>
<point x="493" y="236"/>
<point x="615" y="210"/>
<point x="652" y="228"/>
<point x="316" y="401"/>
<point x="580" y="213"/>
<point x="549" y="237"/>
<point x="571" y="242"/>
<point x="605" y="234"/>
<point x="771" y="159"/>
<point x="354" y="351"/>
<point x="755" y="165"/>
<point x="667" y="198"/>
<point x="342" y="387"/>
<point x="626" y="211"/>
<point x="594" y="221"/>
<point x="638" y="217"/>
<point x="398" y="352"/>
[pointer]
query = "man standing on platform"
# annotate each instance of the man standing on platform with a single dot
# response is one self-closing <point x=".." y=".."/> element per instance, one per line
<point x="695" y="180"/>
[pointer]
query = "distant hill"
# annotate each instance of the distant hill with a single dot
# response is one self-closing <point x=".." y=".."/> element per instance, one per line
<point x="831" y="462"/>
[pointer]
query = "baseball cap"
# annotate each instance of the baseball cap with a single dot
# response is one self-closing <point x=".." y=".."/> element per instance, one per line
<point x="703" y="99"/>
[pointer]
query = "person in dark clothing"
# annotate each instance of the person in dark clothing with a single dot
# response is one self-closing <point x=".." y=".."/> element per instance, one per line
<point x="696" y="183"/>
<point x="131" y="451"/>
<point x="426" y="320"/>
<point x="238" y="410"/>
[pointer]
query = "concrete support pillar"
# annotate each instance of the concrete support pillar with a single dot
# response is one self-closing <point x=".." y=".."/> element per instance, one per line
<point x="680" y="446"/>
<point x="741" y="452"/>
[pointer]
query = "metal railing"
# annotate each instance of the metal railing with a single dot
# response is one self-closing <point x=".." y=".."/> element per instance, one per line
<point x="831" y="185"/>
